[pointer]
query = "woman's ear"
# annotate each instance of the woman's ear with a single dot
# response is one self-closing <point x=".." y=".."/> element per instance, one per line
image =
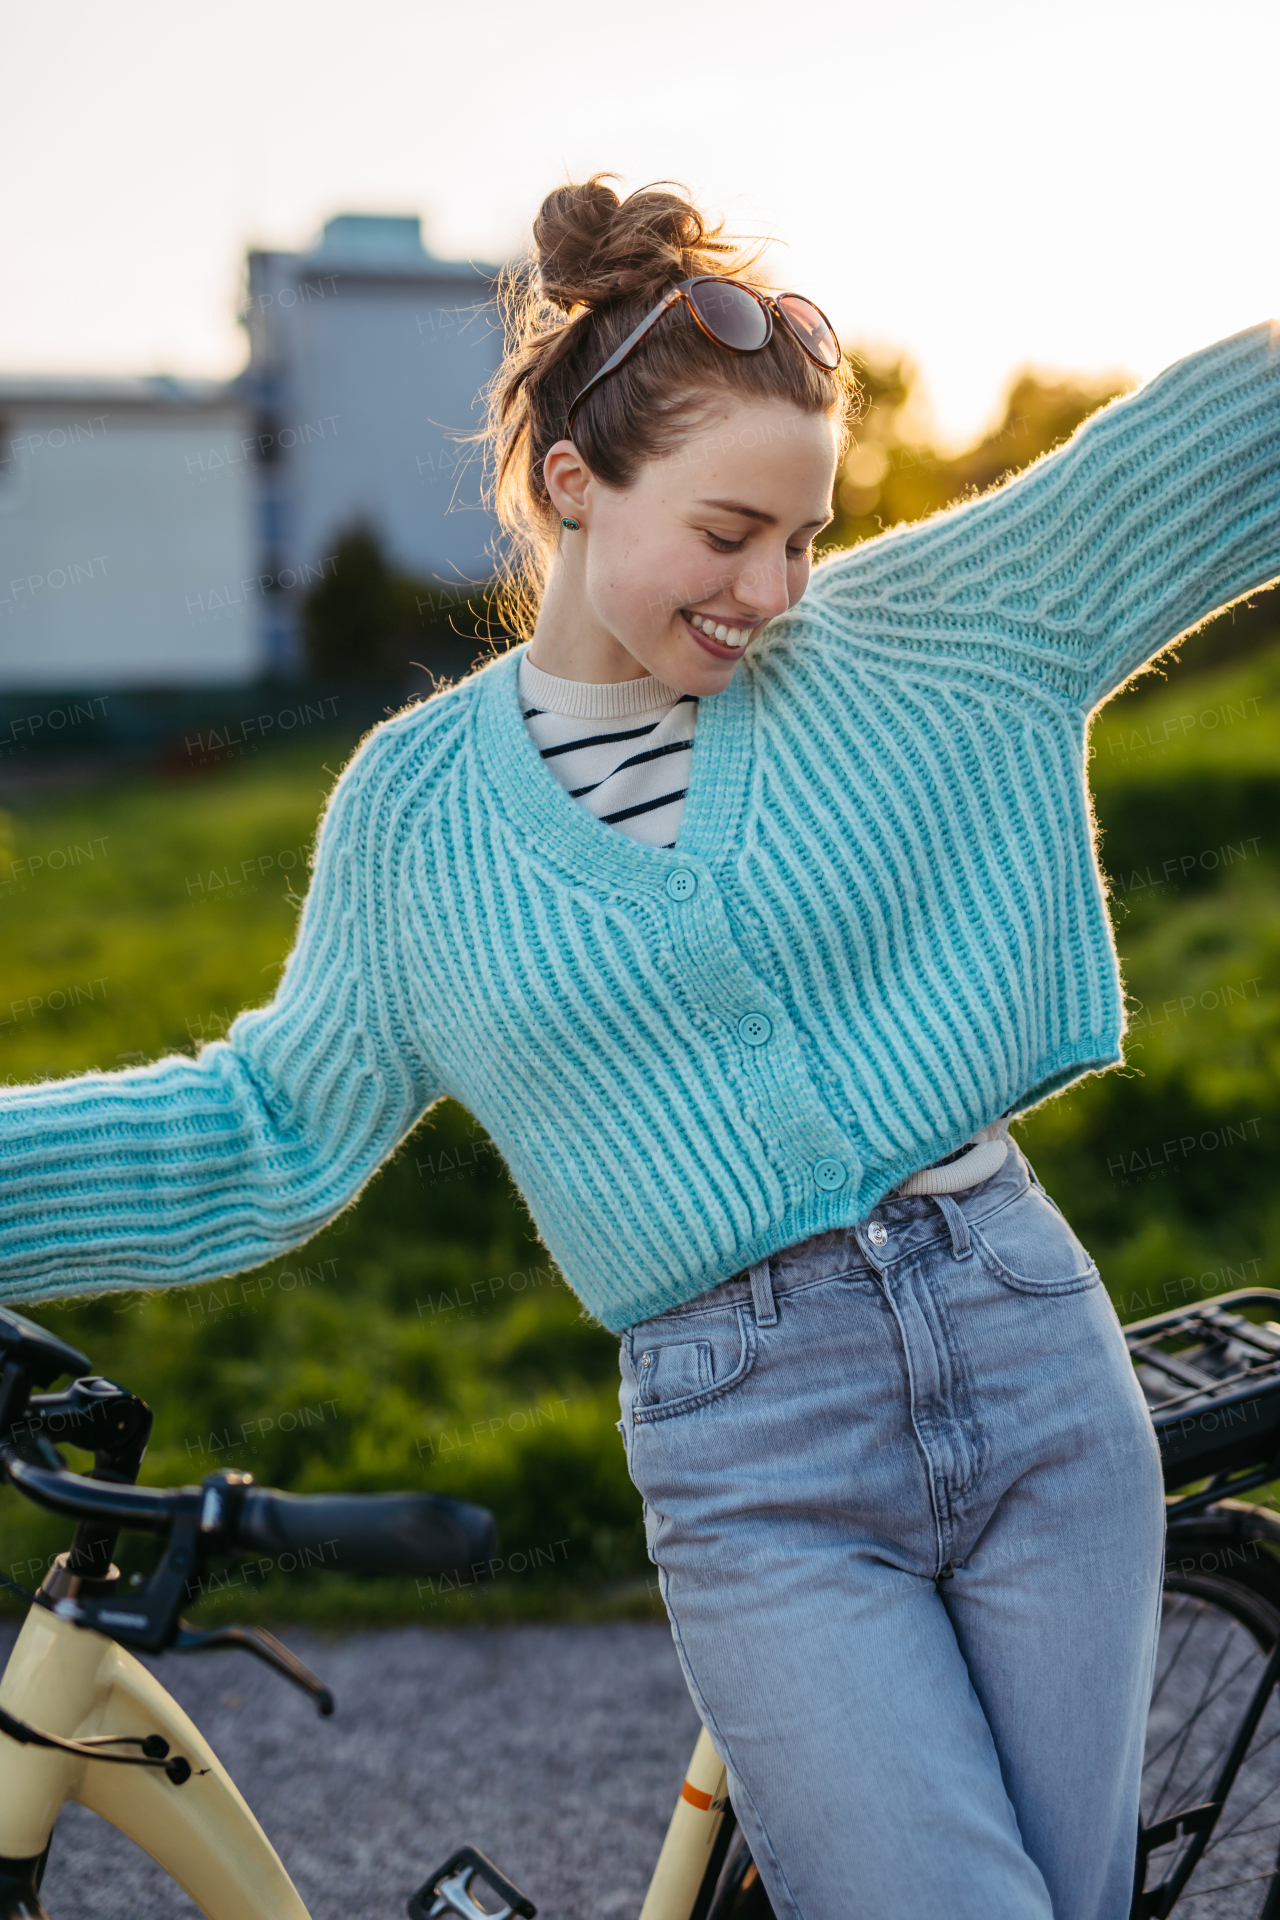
<point x="567" y="476"/>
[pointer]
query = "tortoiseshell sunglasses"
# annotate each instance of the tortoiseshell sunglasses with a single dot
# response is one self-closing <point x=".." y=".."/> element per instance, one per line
<point x="737" y="318"/>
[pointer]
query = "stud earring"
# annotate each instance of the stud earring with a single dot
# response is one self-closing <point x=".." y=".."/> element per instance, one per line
<point x="571" y="524"/>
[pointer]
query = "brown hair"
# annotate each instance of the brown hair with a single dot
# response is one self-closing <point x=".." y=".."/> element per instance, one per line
<point x="600" y="264"/>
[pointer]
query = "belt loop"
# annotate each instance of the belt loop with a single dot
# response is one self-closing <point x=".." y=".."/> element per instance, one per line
<point x="956" y="1223"/>
<point x="762" y="1295"/>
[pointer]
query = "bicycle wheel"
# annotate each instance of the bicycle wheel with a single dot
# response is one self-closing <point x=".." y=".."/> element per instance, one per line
<point x="1216" y="1639"/>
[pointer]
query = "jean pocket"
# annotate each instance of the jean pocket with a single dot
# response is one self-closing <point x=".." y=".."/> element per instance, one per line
<point x="1029" y="1246"/>
<point x="690" y="1360"/>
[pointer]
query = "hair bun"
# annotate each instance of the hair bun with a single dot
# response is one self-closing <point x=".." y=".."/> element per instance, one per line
<point x="593" y="248"/>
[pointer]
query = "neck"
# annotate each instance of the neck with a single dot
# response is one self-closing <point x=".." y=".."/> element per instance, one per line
<point x="572" y="645"/>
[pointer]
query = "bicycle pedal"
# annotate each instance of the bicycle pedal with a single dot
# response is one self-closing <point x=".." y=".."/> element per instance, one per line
<point x="448" y="1891"/>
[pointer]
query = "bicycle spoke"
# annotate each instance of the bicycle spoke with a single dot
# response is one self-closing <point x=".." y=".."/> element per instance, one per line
<point x="1264" y="1744"/>
<point x="1250" y="1880"/>
<point x="1188" y="1727"/>
<point x="1249" y="1659"/>
<point x="1172" y="1666"/>
<point x="1228" y="1833"/>
<point x="1189" y="1791"/>
<point x="1239" y="1833"/>
<point x="1203" y="1705"/>
<point x="1236" y="1830"/>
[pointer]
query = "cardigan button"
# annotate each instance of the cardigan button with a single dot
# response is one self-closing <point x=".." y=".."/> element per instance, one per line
<point x="682" y="884"/>
<point x="829" y="1174"/>
<point x="754" y="1029"/>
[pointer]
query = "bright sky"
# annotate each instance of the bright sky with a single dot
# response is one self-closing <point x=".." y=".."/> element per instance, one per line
<point x="989" y="186"/>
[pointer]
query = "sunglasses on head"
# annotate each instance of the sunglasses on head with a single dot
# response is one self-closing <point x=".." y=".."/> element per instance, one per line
<point x="737" y="318"/>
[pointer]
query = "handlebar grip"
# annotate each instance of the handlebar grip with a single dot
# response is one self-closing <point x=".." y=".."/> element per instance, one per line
<point x="418" y="1533"/>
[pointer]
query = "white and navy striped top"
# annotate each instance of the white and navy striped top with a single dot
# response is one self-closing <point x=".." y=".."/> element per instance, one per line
<point x="623" y="750"/>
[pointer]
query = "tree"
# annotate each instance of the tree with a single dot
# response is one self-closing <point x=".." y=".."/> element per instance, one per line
<point x="352" y="615"/>
<point x="367" y="621"/>
<point x="890" y="476"/>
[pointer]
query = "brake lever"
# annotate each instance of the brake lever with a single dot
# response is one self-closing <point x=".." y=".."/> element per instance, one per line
<point x="256" y="1640"/>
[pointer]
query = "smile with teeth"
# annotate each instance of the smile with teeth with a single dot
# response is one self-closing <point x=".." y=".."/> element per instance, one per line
<point x="717" y="630"/>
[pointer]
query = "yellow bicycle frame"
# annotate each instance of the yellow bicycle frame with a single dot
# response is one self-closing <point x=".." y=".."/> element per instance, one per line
<point x="70" y="1681"/>
<point x="73" y="1682"/>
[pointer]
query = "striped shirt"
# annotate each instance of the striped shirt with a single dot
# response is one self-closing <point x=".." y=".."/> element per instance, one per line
<point x="622" y="749"/>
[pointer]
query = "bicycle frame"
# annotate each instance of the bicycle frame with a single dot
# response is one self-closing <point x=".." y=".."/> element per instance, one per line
<point x="75" y="1683"/>
<point x="68" y="1681"/>
<point x="690" y="1845"/>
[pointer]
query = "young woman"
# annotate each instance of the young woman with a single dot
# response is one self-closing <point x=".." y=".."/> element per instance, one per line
<point x="743" y="911"/>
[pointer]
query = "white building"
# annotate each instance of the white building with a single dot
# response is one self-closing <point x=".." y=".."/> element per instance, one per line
<point x="158" y="532"/>
<point x="368" y="359"/>
<point x="104" y="528"/>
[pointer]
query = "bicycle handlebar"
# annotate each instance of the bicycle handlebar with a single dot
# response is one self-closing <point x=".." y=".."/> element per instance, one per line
<point x="426" y="1534"/>
<point x="418" y="1533"/>
<point x="396" y="1533"/>
<point x="151" y="1508"/>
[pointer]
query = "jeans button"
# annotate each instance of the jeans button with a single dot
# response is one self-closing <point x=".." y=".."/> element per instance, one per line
<point x="877" y="1233"/>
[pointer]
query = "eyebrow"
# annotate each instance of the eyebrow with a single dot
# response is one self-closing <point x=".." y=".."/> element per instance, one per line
<point x="754" y="513"/>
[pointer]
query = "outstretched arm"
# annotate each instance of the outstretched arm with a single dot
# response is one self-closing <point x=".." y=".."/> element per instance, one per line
<point x="1162" y="508"/>
<point x="190" y="1169"/>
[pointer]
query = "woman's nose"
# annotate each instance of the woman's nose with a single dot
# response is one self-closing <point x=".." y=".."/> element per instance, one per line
<point x="762" y="587"/>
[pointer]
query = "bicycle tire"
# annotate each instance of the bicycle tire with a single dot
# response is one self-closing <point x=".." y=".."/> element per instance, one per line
<point x="1231" y="1540"/>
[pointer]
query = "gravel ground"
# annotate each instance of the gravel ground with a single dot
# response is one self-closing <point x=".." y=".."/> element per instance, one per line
<point x="558" y="1751"/>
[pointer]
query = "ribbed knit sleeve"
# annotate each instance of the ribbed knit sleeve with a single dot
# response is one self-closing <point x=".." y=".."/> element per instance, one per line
<point x="190" y="1169"/>
<point x="1163" y="507"/>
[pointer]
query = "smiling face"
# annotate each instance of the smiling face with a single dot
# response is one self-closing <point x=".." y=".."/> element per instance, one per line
<point x="674" y="574"/>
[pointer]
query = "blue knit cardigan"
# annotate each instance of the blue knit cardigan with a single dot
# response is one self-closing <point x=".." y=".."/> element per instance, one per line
<point x="881" y="927"/>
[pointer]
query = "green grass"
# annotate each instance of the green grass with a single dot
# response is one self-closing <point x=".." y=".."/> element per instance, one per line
<point x="424" y="1340"/>
<point x="141" y="905"/>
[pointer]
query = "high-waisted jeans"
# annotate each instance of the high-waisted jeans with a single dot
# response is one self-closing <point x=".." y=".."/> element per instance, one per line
<point x="906" y="1504"/>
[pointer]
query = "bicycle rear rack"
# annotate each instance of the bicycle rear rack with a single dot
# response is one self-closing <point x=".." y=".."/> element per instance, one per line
<point x="1211" y="1376"/>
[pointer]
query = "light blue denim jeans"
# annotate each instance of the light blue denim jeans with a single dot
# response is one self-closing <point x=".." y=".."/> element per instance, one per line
<point x="905" y="1500"/>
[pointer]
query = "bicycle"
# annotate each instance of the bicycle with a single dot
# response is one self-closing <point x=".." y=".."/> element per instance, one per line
<point x="73" y="1693"/>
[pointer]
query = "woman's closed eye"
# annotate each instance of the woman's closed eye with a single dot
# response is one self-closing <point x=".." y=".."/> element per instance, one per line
<point x="720" y="544"/>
